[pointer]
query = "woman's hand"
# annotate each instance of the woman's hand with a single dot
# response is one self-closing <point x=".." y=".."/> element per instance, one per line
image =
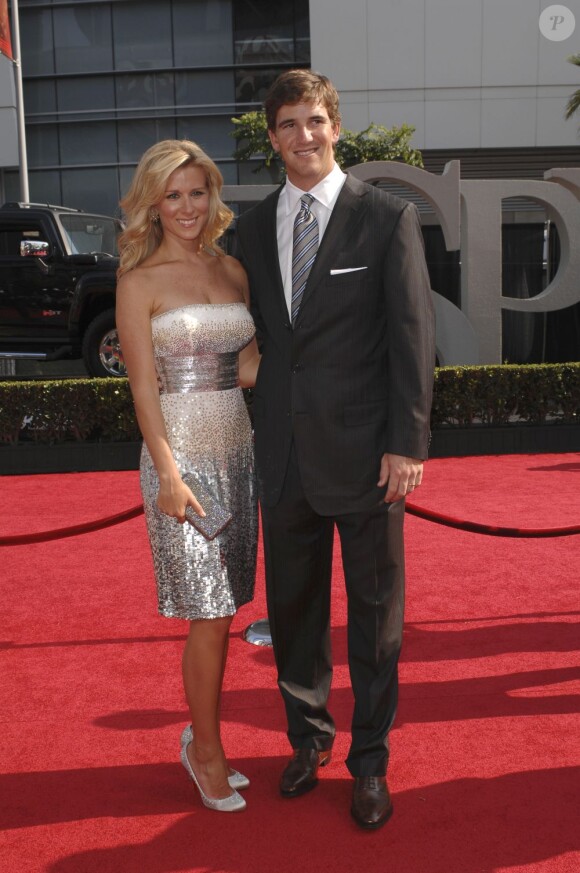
<point x="174" y="497"/>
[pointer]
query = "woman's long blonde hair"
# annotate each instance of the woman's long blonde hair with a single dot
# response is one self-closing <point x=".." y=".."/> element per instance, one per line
<point x="142" y="235"/>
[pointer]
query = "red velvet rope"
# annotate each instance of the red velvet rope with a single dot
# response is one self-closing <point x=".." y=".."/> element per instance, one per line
<point x="427" y="514"/>
<point x="490" y="529"/>
<point x="60" y="533"/>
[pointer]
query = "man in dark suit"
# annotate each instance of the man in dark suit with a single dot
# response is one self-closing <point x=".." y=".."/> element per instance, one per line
<point x="342" y="304"/>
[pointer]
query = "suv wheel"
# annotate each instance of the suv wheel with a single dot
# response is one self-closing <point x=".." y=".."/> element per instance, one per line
<point x="101" y="350"/>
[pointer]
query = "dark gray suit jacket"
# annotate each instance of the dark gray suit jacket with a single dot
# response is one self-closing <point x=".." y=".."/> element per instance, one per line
<point x="354" y="378"/>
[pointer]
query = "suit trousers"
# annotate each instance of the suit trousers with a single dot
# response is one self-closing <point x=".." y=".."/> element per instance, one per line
<point x="298" y="545"/>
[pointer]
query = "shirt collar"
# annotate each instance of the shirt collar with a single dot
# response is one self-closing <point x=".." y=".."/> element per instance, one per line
<point x="324" y="192"/>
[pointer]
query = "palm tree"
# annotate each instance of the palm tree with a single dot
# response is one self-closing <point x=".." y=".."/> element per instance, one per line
<point x="574" y="102"/>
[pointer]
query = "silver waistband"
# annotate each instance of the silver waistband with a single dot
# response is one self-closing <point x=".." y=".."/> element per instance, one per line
<point x="210" y="372"/>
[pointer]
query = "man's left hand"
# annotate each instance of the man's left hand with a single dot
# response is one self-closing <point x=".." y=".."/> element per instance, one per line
<point x="401" y="476"/>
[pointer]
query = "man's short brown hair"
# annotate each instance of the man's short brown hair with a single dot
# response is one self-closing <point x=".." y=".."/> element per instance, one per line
<point x="301" y="86"/>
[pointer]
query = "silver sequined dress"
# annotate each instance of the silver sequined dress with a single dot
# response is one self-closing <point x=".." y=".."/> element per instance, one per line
<point x="196" y="354"/>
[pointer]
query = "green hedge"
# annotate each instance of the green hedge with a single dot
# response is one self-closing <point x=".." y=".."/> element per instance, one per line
<point x="102" y="409"/>
<point x="509" y="394"/>
<point x="68" y="409"/>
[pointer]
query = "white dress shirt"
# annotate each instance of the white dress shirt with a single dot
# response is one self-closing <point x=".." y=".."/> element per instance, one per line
<point x="325" y="195"/>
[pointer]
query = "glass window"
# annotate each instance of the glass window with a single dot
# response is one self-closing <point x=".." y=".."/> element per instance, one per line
<point x="82" y="38"/>
<point x="212" y="133"/>
<point x="142" y="35"/>
<point x="229" y="171"/>
<point x="13" y="236"/>
<point x="249" y="174"/>
<point x="125" y="178"/>
<point x="11" y="185"/>
<point x="302" y="31"/>
<point x="94" y="190"/>
<point x="201" y="89"/>
<point x="89" y="233"/>
<point x="39" y="96"/>
<point x="36" y="41"/>
<point x="145" y="90"/>
<point x="252" y="86"/>
<point x="264" y="31"/>
<point x="45" y="187"/>
<point x="92" y="143"/>
<point x="42" y="145"/>
<point x="202" y="32"/>
<point x="136" y="136"/>
<point x="86" y="92"/>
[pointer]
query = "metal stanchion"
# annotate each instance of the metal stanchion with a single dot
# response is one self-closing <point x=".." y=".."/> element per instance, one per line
<point x="258" y="633"/>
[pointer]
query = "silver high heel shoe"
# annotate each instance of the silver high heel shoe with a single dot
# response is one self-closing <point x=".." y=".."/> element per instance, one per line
<point x="236" y="780"/>
<point x="234" y="803"/>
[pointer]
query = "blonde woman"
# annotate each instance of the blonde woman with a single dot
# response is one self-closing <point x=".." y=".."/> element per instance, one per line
<point x="188" y="343"/>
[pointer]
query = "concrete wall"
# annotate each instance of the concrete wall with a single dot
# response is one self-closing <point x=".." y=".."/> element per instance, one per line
<point x="465" y="73"/>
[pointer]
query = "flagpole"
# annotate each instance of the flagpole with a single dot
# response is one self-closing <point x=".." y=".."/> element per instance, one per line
<point x="24" y="193"/>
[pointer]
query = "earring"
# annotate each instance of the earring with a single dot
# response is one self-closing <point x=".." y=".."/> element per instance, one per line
<point x="154" y="216"/>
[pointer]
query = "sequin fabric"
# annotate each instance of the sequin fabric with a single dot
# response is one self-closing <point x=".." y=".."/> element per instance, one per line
<point x="209" y="430"/>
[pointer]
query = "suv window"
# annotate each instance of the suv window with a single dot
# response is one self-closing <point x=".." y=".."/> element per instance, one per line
<point x="86" y="234"/>
<point x="11" y="238"/>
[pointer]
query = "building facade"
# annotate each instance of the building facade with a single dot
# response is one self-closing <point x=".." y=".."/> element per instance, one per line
<point x="105" y="79"/>
<point x="478" y="79"/>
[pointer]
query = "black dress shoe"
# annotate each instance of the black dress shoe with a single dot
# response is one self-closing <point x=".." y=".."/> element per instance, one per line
<point x="300" y="773"/>
<point x="371" y="802"/>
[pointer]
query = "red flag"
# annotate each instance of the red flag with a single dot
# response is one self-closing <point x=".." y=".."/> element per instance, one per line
<point x="5" y="43"/>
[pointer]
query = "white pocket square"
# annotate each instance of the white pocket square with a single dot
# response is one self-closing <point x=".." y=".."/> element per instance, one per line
<point x="347" y="270"/>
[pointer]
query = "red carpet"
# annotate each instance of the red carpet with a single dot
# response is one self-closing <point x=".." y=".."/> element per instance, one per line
<point x="484" y="768"/>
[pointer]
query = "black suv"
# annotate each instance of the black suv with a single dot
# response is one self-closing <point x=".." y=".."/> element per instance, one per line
<point x="57" y="286"/>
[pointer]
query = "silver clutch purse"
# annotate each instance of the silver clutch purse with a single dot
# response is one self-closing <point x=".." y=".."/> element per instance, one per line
<point x="216" y="517"/>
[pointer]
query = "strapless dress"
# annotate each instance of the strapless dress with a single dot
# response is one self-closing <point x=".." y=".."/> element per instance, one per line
<point x="196" y="356"/>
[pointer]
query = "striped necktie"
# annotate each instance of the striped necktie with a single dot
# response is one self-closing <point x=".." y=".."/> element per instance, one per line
<point x="305" y="247"/>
